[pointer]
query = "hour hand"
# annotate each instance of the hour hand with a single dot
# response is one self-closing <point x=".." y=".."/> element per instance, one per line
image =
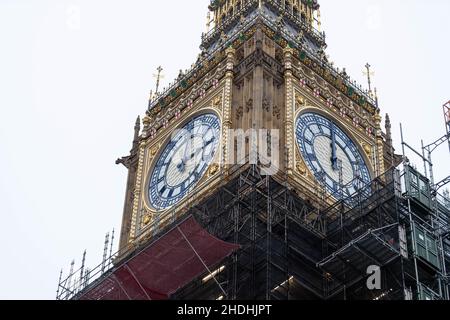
<point x="334" y="163"/>
<point x="181" y="165"/>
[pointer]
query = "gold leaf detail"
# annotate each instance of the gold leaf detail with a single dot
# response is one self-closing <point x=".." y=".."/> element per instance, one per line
<point x="214" y="169"/>
<point x="367" y="149"/>
<point x="217" y="101"/>
<point x="300" y="101"/>
<point x="147" y="219"/>
<point x="301" y="167"/>
<point x="153" y="151"/>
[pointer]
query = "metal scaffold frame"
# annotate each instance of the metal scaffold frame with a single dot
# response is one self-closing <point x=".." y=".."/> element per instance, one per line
<point x="292" y="248"/>
<point x="267" y="220"/>
<point x="446" y="108"/>
<point x="284" y="257"/>
<point x="429" y="218"/>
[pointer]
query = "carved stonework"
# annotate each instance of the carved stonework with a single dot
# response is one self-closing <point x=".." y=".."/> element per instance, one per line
<point x="266" y="105"/>
<point x="239" y="113"/>
<point x="276" y="112"/>
<point x="249" y="105"/>
<point x="146" y="130"/>
<point x="158" y="116"/>
<point x="137" y="192"/>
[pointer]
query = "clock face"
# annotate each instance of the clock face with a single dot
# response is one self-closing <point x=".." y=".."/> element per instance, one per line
<point x="184" y="161"/>
<point x="331" y="155"/>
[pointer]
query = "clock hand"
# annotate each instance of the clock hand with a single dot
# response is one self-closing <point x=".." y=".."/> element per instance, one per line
<point x="334" y="159"/>
<point x="197" y="151"/>
<point x="181" y="166"/>
<point x="194" y="154"/>
<point x="188" y="145"/>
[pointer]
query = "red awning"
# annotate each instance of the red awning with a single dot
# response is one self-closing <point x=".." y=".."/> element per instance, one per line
<point x="165" y="266"/>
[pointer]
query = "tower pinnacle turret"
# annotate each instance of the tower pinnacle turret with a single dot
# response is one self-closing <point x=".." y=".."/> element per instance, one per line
<point x="295" y="18"/>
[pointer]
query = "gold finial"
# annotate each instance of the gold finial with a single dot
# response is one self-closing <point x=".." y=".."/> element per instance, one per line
<point x="158" y="76"/>
<point x="369" y="75"/>
<point x="208" y="22"/>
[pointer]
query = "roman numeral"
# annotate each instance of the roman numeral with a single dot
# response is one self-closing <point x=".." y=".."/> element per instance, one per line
<point x="311" y="156"/>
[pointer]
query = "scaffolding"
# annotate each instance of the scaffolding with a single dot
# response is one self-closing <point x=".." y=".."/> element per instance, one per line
<point x="291" y="250"/>
<point x="277" y="232"/>
<point x="446" y="108"/>
<point x="278" y="244"/>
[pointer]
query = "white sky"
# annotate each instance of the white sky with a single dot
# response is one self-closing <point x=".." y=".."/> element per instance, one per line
<point x="70" y="91"/>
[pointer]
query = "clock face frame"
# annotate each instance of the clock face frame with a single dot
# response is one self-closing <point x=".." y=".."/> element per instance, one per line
<point x="331" y="155"/>
<point x="183" y="161"/>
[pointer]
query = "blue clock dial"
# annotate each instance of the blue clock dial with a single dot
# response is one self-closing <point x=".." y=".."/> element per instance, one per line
<point x="331" y="155"/>
<point x="184" y="161"/>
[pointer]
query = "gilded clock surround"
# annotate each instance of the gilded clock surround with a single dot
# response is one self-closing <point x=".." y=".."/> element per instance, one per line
<point x="145" y="213"/>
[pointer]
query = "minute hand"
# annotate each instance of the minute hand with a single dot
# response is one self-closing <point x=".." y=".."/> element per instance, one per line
<point x="198" y="150"/>
<point x="334" y="159"/>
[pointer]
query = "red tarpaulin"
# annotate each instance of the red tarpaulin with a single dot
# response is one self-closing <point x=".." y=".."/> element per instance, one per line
<point x="165" y="266"/>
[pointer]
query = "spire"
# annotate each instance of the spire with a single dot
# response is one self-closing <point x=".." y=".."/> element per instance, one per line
<point x="388" y="128"/>
<point x="126" y="161"/>
<point x="390" y="145"/>
<point x="137" y="130"/>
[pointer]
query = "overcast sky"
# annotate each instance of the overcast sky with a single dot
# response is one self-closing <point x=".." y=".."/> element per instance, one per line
<point x="74" y="75"/>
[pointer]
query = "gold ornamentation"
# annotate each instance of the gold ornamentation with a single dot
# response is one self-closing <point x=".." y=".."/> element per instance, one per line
<point x="367" y="149"/>
<point x="300" y="101"/>
<point x="147" y="219"/>
<point x="154" y="151"/>
<point x="301" y="167"/>
<point x="217" y="102"/>
<point x="214" y="169"/>
<point x="146" y="121"/>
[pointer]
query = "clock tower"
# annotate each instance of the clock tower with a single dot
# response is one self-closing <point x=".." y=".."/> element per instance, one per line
<point x="262" y="67"/>
<point x="257" y="173"/>
<point x="263" y="173"/>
